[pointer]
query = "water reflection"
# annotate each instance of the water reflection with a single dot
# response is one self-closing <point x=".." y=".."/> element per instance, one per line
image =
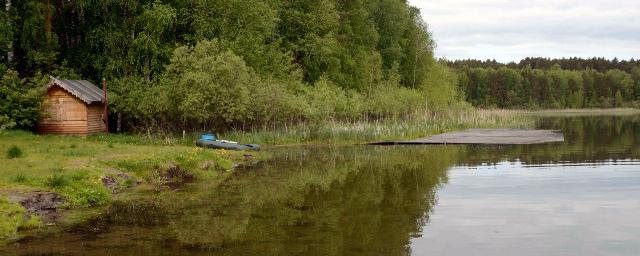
<point x="326" y="201"/>
<point x="578" y="196"/>
<point x="575" y="198"/>
<point x="601" y="139"/>
<point x="320" y="203"/>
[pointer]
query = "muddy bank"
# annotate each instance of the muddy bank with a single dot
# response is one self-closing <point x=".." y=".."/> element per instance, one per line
<point x="44" y="204"/>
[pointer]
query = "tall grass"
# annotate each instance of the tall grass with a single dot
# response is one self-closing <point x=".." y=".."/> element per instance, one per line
<point x="57" y="181"/>
<point x="343" y="132"/>
<point x="346" y="132"/>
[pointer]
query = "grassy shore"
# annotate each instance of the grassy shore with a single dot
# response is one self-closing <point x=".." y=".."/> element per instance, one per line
<point x="87" y="172"/>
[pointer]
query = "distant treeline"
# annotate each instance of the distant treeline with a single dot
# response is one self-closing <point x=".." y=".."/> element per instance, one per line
<point x="200" y="64"/>
<point x="550" y="83"/>
<point x="598" y="64"/>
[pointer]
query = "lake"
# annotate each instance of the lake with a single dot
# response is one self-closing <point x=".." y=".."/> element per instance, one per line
<point x="580" y="197"/>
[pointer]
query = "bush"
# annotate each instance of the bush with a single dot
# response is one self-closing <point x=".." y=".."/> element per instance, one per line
<point x="20" y="102"/>
<point x="327" y="100"/>
<point x="441" y="89"/>
<point x="275" y="102"/>
<point x="207" y="84"/>
<point x="57" y="181"/>
<point x="390" y="101"/>
<point x="6" y="123"/>
<point x="14" y="152"/>
<point x="209" y="87"/>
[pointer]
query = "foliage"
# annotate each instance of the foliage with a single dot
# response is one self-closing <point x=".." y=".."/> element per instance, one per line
<point x="20" y="101"/>
<point x="220" y="79"/>
<point x="238" y="64"/>
<point x="209" y="86"/>
<point x="326" y="100"/>
<point x="505" y="87"/>
<point x="574" y="64"/>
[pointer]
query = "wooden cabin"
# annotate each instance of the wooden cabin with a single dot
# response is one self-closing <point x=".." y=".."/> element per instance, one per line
<point x="73" y="107"/>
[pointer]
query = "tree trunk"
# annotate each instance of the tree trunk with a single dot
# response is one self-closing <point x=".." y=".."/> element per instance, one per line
<point x="49" y="24"/>
<point x="7" y="5"/>
<point x="119" y="123"/>
<point x="147" y="69"/>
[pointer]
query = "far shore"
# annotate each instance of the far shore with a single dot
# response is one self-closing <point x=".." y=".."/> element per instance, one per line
<point x="571" y="112"/>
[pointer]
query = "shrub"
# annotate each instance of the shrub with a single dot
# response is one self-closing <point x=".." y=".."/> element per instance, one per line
<point x="6" y="123"/>
<point x="20" y="100"/>
<point x="20" y="179"/>
<point x="327" y="101"/>
<point x="207" y="84"/>
<point x="57" y="181"/>
<point x="14" y="152"/>
<point x="389" y="101"/>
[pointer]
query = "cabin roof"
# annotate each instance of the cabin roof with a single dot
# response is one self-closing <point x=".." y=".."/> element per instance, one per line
<point x="84" y="90"/>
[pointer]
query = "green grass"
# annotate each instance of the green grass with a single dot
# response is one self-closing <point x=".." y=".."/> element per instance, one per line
<point x="14" y="152"/>
<point x="12" y="219"/>
<point x="74" y="167"/>
<point x="57" y="181"/>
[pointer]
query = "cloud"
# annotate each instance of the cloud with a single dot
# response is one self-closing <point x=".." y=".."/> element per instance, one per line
<point x="508" y="30"/>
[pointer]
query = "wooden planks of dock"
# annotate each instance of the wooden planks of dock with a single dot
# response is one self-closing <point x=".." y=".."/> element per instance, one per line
<point x="488" y="136"/>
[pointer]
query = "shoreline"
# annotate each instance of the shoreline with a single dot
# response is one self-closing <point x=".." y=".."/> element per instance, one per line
<point x="134" y="164"/>
<point x="55" y="178"/>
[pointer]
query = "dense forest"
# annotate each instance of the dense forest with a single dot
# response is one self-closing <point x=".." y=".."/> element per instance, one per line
<point x="550" y="83"/>
<point x="202" y="64"/>
<point x="175" y="65"/>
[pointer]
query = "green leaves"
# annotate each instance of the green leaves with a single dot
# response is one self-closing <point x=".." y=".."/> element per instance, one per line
<point x="197" y="64"/>
<point x="20" y="101"/>
<point x="547" y="88"/>
<point x="206" y="83"/>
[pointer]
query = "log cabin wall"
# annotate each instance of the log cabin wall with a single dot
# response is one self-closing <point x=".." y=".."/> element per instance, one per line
<point x="66" y="114"/>
<point x="94" y="119"/>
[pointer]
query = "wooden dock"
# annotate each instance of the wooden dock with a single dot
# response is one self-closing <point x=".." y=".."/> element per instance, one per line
<point x="488" y="137"/>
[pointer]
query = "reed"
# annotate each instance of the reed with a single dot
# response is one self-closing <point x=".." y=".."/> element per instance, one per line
<point x="362" y="131"/>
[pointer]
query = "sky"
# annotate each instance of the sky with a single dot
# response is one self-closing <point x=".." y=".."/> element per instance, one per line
<point x="510" y="30"/>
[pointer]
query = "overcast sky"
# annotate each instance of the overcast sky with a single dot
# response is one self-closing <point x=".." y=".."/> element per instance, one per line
<point x="509" y="30"/>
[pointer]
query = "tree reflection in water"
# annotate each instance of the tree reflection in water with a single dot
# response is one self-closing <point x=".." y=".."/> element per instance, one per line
<point x="313" y="201"/>
<point x="322" y="201"/>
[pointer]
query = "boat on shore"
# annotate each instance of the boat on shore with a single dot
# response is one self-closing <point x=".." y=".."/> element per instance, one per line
<point x="210" y="141"/>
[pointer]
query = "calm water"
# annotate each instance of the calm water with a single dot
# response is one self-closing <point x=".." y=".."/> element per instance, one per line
<point x="581" y="197"/>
